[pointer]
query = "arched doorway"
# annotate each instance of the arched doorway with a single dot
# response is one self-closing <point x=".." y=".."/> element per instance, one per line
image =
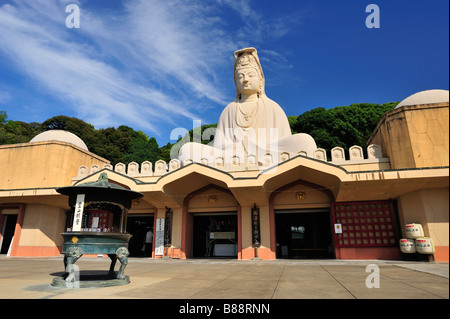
<point x="215" y="235"/>
<point x="301" y="219"/>
<point x="139" y="226"/>
<point x="211" y="226"/>
<point x="7" y="228"/>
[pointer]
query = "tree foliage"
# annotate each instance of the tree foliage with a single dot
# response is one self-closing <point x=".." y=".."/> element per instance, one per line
<point x="13" y="132"/>
<point x="342" y="126"/>
<point x="204" y="134"/>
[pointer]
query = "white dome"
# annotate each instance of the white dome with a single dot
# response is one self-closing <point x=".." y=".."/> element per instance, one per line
<point x="425" y="97"/>
<point x="62" y="136"/>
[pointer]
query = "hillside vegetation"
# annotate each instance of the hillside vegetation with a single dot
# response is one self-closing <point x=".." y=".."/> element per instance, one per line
<point x="342" y="126"/>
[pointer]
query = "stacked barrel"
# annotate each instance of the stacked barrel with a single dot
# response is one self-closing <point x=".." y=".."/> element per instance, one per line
<point x="416" y="242"/>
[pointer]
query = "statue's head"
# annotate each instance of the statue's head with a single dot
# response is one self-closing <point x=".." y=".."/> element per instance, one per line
<point x="248" y="68"/>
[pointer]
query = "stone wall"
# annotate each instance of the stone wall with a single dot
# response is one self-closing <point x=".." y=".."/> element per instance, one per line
<point x="415" y="136"/>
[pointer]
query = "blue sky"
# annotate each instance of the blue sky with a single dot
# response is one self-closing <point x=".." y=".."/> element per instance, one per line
<point x="156" y="65"/>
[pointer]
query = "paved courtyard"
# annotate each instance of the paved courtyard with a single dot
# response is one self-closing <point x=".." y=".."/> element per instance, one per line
<point x="30" y="278"/>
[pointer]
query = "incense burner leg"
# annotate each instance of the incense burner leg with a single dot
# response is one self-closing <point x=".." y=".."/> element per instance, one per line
<point x="122" y="254"/>
<point x="70" y="259"/>
<point x="111" y="272"/>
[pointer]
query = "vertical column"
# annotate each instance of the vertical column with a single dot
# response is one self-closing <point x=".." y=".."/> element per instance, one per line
<point x="18" y="230"/>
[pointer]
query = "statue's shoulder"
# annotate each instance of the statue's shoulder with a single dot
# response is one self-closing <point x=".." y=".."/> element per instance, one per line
<point x="231" y="107"/>
<point x="232" y="104"/>
<point x="271" y="102"/>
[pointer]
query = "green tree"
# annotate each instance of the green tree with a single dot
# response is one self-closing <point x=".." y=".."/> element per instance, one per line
<point x="83" y="130"/>
<point x="142" y="150"/>
<point x="292" y="120"/>
<point x="112" y="144"/>
<point x="3" y="134"/>
<point x="109" y="143"/>
<point x="164" y="152"/>
<point x="342" y="126"/>
<point x="204" y="134"/>
<point x="3" y="117"/>
<point x="13" y="132"/>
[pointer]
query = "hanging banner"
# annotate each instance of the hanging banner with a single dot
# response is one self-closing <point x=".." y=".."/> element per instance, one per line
<point x="159" y="237"/>
<point x="256" y="235"/>
<point x="78" y="213"/>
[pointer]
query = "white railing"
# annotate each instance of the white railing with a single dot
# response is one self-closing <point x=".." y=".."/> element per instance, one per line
<point x="146" y="169"/>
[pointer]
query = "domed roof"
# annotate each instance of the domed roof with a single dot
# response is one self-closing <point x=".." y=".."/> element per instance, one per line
<point x="425" y="97"/>
<point x="60" y="135"/>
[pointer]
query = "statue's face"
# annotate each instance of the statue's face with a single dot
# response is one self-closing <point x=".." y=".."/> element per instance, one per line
<point x="247" y="81"/>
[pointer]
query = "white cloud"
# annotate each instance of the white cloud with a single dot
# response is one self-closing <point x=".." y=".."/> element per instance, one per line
<point x="177" y="39"/>
<point x="147" y="63"/>
<point x="257" y="27"/>
<point x="100" y="92"/>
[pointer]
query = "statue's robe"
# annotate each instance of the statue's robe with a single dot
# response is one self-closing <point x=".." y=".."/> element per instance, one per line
<point x="266" y="132"/>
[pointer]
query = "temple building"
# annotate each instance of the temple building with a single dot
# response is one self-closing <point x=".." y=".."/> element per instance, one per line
<point x="256" y="192"/>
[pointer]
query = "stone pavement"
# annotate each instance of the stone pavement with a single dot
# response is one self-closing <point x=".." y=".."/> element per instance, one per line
<point x="30" y="278"/>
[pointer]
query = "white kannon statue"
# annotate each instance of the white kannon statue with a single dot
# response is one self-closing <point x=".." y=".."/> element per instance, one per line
<point x="251" y="125"/>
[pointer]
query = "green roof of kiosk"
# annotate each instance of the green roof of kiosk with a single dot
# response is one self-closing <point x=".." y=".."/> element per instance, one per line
<point x="100" y="190"/>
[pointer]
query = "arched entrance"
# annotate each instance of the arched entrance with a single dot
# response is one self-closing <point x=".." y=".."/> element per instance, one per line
<point x="211" y="226"/>
<point x="301" y="221"/>
<point x="215" y="235"/>
<point x="139" y="226"/>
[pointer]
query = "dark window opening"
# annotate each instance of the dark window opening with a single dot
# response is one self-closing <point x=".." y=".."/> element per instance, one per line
<point x="303" y="235"/>
<point x="215" y="236"/>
